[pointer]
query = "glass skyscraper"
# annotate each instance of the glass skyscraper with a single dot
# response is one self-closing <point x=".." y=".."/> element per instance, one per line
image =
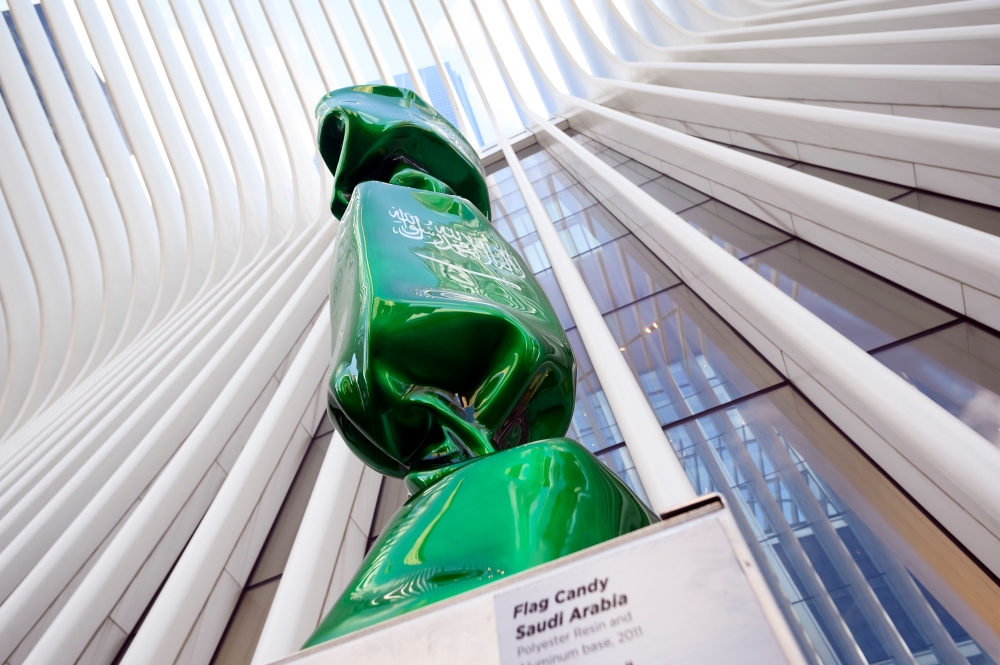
<point x="439" y="95"/>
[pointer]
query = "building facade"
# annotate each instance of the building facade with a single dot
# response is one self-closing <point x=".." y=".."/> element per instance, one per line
<point x="770" y="230"/>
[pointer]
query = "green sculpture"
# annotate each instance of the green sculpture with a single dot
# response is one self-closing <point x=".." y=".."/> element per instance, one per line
<point x="371" y="132"/>
<point x="449" y="367"/>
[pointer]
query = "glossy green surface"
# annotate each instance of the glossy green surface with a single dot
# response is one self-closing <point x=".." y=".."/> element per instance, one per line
<point x="445" y="347"/>
<point x="371" y="132"/>
<point x="488" y="518"/>
<point x="446" y="358"/>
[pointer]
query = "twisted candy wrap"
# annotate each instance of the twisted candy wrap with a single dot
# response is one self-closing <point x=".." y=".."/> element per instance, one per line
<point x="449" y="367"/>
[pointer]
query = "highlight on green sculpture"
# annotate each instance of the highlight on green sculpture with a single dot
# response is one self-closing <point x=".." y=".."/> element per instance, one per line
<point x="449" y="368"/>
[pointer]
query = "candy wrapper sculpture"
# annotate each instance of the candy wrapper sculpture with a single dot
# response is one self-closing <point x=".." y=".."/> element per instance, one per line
<point x="449" y="368"/>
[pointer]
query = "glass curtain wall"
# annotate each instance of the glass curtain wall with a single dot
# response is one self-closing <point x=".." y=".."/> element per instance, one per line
<point x="952" y="360"/>
<point x="736" y="425"/>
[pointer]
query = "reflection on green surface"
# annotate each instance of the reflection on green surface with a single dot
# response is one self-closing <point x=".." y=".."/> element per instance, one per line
<point x="446" y="359"/>
<point x="444" y="346"/>
<point x="370" y="132"/>
<point x="490" y="517"/>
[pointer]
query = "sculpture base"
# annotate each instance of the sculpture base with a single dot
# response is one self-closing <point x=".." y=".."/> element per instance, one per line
<point x="685" y="591"/>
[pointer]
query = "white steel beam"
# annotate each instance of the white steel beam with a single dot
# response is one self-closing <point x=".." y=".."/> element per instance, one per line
<point x="663" y="478"/>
